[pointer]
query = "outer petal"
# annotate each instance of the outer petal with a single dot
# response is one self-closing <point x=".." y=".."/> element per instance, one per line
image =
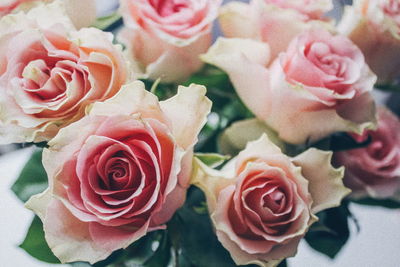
<point x="82" y="13"/>
<point x="245" y="62"/>
<point x="211" y="181"/>
<point x="325" y="182"/>
<point x="187" y="112"/>
<point x="260" y="20"/>
<point x="132" y="98"/>
<point x="237" y="20"/>
<point x="270" y="22"/>
<point x="272" y="259"/>
<point x="176" y="64"/>
<point x="299" y="117"/>
<point x="68" y="237"/>
<point x="379" y="45"/>
<point x="47" y="15"/>
<point x="236" y="136"/>
<point x="63" y="146"/>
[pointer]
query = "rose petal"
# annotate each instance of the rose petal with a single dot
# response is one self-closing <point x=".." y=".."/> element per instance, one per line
<point x="68" y="237"/>
<point x="325" y="182"/>
<point x="187" y="112"/>
<point x="245" y="62"/>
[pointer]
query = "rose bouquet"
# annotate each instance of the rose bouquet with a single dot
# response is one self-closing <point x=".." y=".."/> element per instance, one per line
<point x="159" y="145"/>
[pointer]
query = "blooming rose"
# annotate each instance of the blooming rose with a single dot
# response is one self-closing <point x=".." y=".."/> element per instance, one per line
<point x="263" y="202"/>
<point x="375" y="169"/>
<point x="273" y="21"/>
<point x="49" y="73"/>
<point x="374" y="25"/>
<point x="119" y="172"/>
<point x="82" y="13"/>
<point x="320" y="85"/>
<point x="164" y="38"/>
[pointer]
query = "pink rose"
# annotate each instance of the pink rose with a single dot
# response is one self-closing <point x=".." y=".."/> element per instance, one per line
<point x="119" y="172"/>
<point x="375" y="169"/>
<point x="50" y="73"/>
<point x="164" y="38"/>
<point x="275" y="22"/>
<point x="319" y="86"/>
<point x="263" y="202"/>
<point x="374" y="25"/>
<point x="8" y="6"/>
<point x="82" y="13"/>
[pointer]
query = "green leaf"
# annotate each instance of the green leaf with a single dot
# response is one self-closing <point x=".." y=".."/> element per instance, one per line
<point x="35" y="243"/>
<point x="162" y="255"/>
<point x="387" y="203"/>
<point x="394" y="87"/>
<point x="141" y="253"/>
<point x="212" y="160"/>
<point x="162" y="90"/>
<point x="329" y="235"/>
<point x="32" y="179"/>
<point x="107" y="22"/>
<point x="340" y="141"/>
<point x="212" y="77"/>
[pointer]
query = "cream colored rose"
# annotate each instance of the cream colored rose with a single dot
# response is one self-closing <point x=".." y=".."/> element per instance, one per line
<point x="272" y="21"/>
<point x="81" y="12"/>
<point x="374" y="25"/>
<point x="50" y="73"/>
<point x="165" y="38"/>
<point x="262" y="202"/>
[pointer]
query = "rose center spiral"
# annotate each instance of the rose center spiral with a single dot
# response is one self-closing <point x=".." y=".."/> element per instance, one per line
<point x="168" y="7"/>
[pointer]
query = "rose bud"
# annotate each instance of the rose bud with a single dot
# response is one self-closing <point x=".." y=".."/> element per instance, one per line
<point x="165" y="38"/>
<point x="119" y="172"/>
<point x="374" y="25"/>
<point x="319" y="86"/>
<point x="262" y="202"/>
<point x="50" y="73"/>
<point x="374" y="170"/>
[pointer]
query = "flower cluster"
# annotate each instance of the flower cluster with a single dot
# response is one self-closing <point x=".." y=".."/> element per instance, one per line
<point x="120" y="158"/>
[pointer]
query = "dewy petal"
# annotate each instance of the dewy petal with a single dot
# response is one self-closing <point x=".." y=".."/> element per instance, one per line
<point x="245" y="62"/>
<point x="325" y="182"/>
<point x="187" y="112"/>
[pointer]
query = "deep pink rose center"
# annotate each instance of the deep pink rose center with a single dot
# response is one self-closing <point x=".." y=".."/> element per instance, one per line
<point x="169" y="7"/>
